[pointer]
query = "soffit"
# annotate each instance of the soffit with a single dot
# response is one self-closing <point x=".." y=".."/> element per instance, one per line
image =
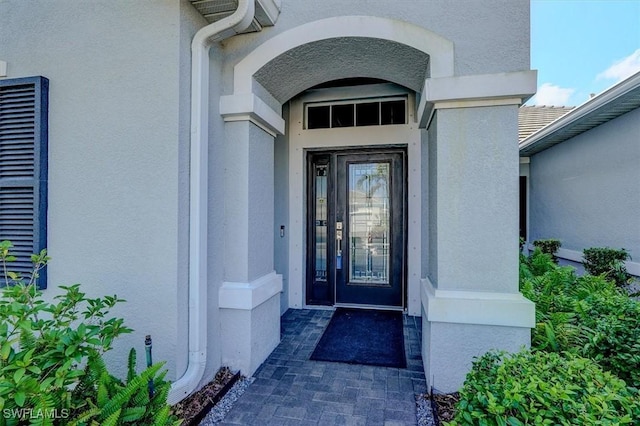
<point x="608" y="105"/>
<point x="215" y="10"/>
<point x="343" y="57"/>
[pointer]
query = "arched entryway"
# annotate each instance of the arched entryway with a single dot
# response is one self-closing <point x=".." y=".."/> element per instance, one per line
<point x="452" y="184"/>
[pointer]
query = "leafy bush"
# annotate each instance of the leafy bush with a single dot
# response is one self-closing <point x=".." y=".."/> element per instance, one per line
<point x="615" y="339"/>
<point x="542" y="388"/>
<point x="557" y="291"/>
<point x="50" y="352"/>
<point x="585" y="315"/>
<point x="608" y="262"/>
<point x="549" y="246"/>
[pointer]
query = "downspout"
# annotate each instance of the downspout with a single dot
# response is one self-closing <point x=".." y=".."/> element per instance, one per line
<point x="198" y="190"/>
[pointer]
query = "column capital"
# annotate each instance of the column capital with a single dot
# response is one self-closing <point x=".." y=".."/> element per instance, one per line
<point x="249" y="107"/>
<point x="468" y="91"/>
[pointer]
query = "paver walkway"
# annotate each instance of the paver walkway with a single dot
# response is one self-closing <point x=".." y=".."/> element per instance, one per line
<point x="289" y="389"/>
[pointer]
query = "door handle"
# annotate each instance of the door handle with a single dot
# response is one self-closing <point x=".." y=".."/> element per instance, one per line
<point x="338" y="245"/>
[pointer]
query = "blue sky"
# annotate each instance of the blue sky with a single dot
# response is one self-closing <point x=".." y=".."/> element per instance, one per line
<point x="582" y="46"/>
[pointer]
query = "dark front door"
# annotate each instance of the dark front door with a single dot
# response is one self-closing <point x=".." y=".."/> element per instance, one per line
<point x="357" y="231"/>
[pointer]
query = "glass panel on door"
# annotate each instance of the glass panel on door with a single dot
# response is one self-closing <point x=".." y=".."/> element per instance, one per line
<point x="321" y="216"/>
<point x="369" y="219"/>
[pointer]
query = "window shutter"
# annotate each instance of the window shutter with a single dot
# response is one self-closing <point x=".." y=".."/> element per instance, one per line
<point x="23" y="169"/>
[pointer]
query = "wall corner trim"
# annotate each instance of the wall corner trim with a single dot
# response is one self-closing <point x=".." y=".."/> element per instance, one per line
<point x="249" y="107"/>
<point x="477" y="307"/>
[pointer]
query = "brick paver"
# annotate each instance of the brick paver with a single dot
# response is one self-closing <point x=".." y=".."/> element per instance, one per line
<point x="290" y="389"/>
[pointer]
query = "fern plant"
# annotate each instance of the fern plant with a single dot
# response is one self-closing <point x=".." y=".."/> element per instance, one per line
<point x="114" y="402"/>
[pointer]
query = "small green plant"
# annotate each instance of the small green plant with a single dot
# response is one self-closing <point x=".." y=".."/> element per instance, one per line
<point x="608" y="262"/>
<point x="536" y="264"/>
<point x="542" y="388"/>
<point x="549" y="246"/>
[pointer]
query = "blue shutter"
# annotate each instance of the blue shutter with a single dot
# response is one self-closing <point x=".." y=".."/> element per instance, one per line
<point x="23" y="169"/>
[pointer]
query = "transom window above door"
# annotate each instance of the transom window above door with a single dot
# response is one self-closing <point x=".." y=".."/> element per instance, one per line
<point x="359" y="113"/>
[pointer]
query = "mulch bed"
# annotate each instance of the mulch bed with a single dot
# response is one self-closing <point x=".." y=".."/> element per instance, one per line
<point x="193" y="408"/>
<point x="445" y="406"/>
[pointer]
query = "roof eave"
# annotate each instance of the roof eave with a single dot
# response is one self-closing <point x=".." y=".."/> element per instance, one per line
<point x="585" y="115"/>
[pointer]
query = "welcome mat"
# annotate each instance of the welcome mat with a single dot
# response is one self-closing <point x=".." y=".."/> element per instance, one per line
<point x="359" y="336"/>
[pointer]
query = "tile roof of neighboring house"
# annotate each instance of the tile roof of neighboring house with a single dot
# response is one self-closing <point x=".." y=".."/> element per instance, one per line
<point x="613" y="102"/>
<point x="533" y="118"/>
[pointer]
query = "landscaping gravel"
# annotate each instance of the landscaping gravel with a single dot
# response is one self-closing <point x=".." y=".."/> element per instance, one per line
<point x="424" y="412"/>
<point x="217" y="413"/>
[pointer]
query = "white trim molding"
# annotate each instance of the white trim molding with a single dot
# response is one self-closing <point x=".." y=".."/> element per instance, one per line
<point x="439" y="49"/>
<point x="472" y="91"/>
<point x="248" y="296"/>
<point x="249" y="107"/>
<point x="3" y="68"/>
<point x="476" y="307"/>
<point x="576" y="256"/>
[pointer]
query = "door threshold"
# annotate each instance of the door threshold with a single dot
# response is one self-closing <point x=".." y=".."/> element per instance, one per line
<point x="374" y="307"/>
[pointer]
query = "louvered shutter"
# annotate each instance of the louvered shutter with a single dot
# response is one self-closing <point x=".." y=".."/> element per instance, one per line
<point x="23" y="169"/>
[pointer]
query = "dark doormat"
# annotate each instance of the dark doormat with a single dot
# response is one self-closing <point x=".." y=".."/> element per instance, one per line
<point x="359" y="336"/>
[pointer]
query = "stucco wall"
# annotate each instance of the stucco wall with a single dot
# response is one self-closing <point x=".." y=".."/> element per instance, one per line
<point x="489" y="36"/>
<point x="477" y="202"/>
<point x="281" y="210"/>
<point x="118" y="137"/>
<point x="249" y="202"/>
<point x="586" y="192"/>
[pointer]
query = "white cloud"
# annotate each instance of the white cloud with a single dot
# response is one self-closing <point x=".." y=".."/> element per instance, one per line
<point x="551" y="95"/>
<point x="622" y="69"/>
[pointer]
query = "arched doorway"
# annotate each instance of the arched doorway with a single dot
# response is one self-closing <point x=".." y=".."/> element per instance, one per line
<point x="318" y="52"/>
<point x="458" y="169"/>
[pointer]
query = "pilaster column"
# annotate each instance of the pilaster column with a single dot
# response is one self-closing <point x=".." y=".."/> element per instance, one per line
<point x="250" y="296"/>
<point x="470" y="298"/>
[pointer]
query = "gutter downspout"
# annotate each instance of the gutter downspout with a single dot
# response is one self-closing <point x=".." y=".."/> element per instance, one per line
<point x="198" y="190"/>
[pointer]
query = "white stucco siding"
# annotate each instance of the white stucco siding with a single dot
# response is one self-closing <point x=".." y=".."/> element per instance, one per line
<point x="585" y="191"/>
<point x="116" y="145"/>
<point x="281" y="210"/>
<point x="249" y="201"/>
<point x="488" y="36"/>
<point x="476" y="174"/>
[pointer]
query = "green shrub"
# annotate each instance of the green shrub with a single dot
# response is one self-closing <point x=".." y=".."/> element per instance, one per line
<point x="615" y="339"/>
<point x="549" y="246"/>
<point x="585" y="315"/>
<point x="555" y="294"/>
<point x="608" y="262"/>
<point x="541" y="388"/>
<point x="49" y="352"/>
